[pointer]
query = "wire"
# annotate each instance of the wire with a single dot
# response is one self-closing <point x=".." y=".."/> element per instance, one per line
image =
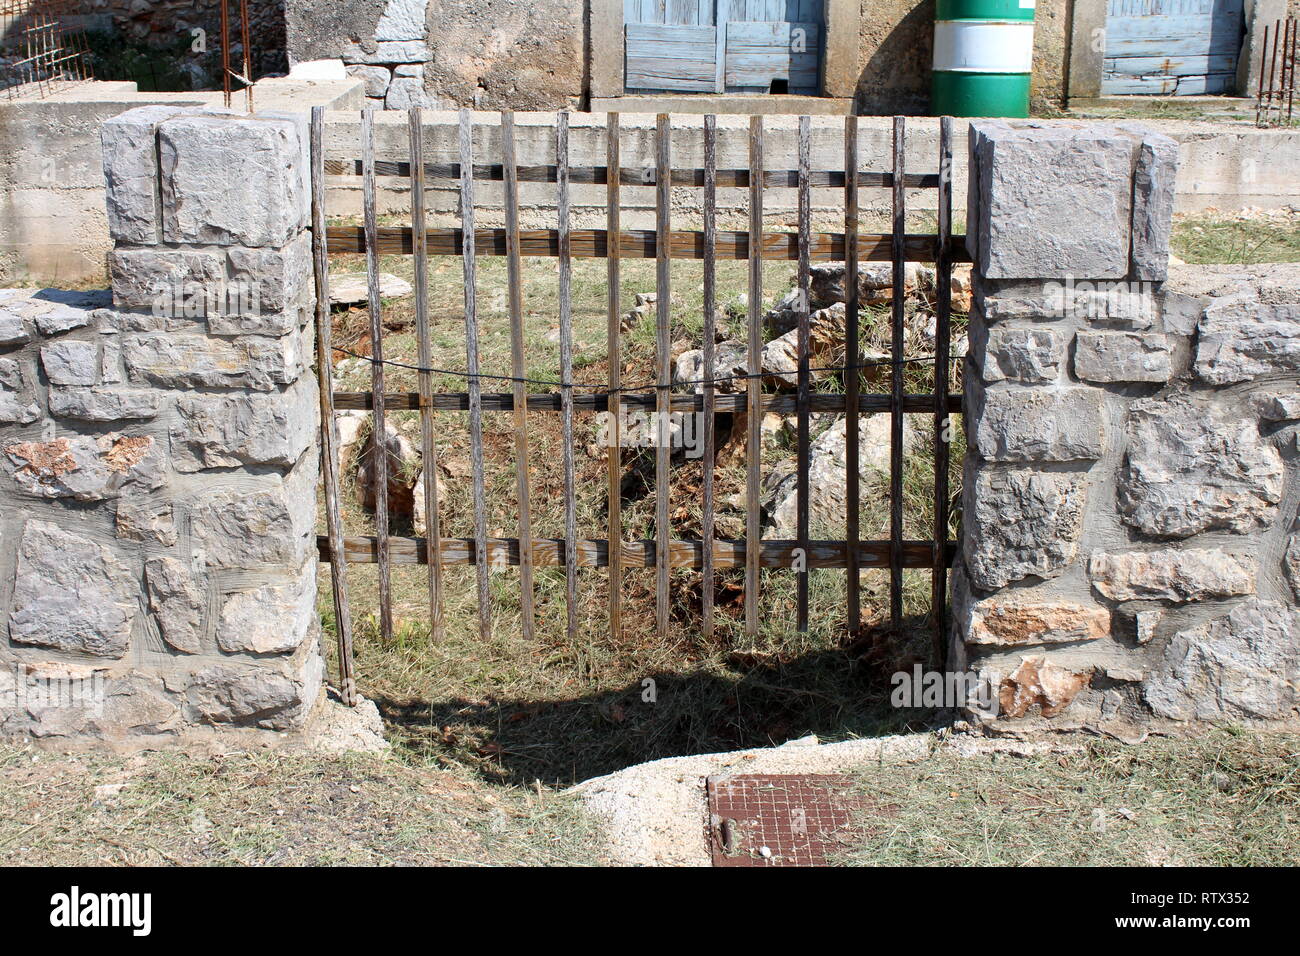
<point x="557" y="383"/>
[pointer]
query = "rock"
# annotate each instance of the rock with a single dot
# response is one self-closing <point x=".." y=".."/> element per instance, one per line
<point x="1122" y="357"/>
<point x="730" y="365"/>
<point x="827" y="469"/>
<point x="138" y="705"/>
<point x="247" y="530"/>
<point x="104" y="403"/>
<point x="351" y="288"/>
<point x="1193" y="467"/>
<point x="272" y="428"/>
<point x="71" y="594"/>
<point x="1037" y="424"/>
<point x="207" y="178"/>
<point x="780" y="357"/>
<point x="172" y="283"/>
<point x="144" y="519"/>
<point x="389" y="51"/>
<point x="1153" y="205"/>
<point x="232" y="694"/>
<point x="198" y="361"/>
<point x="177" y="602"/>
<point x="13" y="330"/>
<point x="1028" y="356"/>
<point x="85" y="468"/>
<point x="1022" y="523"/>
<point x="17" y="396"/>
<point x="405" y="92"/>
<point x="1277" y="407"/>
<point x="1245" y="665"/>
<point x="1291" y="562"/>
<point x="1038" y="682"/>
<point x="404" y="463"/>
<point x="1171" y="575"/>
<point x="1123" y="305"/>
<point x="376" y="78"/>
<point x="1014" y="622"/>
<point x="71" y="363"/>
<point x="1050" y="200"/>
<point x="1238" y="340"/>
<point x="129" y="142"/>
<point x="270" y="280"/>
<point x="272" y="619"/>
<point x="403" y="20"/>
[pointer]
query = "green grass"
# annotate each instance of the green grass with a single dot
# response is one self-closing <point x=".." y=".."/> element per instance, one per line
<point x="1222" y="799"/>
<point x="1209" y="239"/>
<point x="559" y="710"/>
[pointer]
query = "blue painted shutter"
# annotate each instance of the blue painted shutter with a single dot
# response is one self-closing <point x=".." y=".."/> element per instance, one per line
<point x="1178" y="47"/>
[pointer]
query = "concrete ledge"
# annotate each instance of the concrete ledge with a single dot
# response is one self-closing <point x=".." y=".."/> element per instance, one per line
<point x="730" y="103"/>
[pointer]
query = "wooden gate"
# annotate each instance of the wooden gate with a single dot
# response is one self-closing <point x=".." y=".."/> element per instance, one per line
<point x="712" y="46"/>
<point x="564" y="397"/>
<point x="1178" y="47"/>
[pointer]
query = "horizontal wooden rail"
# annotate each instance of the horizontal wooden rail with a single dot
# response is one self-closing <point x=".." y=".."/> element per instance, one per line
<point x="549" y="552"/>
<point x="635" y="176"/>
<point x="640" y="244"/>
<point x="550" y="402"/>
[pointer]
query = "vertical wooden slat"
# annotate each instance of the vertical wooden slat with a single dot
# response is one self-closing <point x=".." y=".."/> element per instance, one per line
<point x="852" y="377"/>
<point x="468" y="264"/>
<point x="379" y="437"/>
<point x="710" y="332"/>
<point x="566" y="375"/>
<point x="804" y="386"/>
<point x="428" y="448"/>
<point x="896" y="382"/>
<point x="663" y="367"/>
<point x="754" y="448"/>
<point x="613" y="334"/>
<point x="329" y="433"/>
<point x="515" y="297"/>
<point x="942" y="422"/>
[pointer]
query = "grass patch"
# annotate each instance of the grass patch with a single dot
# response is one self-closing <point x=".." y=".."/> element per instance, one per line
<point x="1213" y="239"/>
<point x="1224" y="799"/>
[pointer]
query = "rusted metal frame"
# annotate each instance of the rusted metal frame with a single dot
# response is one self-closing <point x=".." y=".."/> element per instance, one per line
<point x="707" y="461"/>
<point x="428" y="447"/>
<point x="754" y="442"/>
<point x="804" y="383"/>
<point x="474" y="401"/>
<point x="942" y="418"/>
<point x="896" y="381"/>
<point x="329" y="430"/>
<point x="663" y="367"/>
<point x="566" y="375"/>
<point x="515" y="303"/>
<point x="613" y="336"/>
<point x="852" y="380"/>
<point x="379" y="436"/>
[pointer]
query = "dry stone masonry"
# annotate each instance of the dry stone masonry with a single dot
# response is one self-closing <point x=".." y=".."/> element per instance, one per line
<point x="1130" y="550"/>
<point x="157" y="494"/>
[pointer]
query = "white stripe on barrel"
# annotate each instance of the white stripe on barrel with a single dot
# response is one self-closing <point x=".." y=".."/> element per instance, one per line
<point x="984" y="46"/>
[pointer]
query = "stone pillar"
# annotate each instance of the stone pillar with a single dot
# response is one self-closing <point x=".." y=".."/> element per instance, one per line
<point x="1121" y="510"/>
<point x="158" y="512"/>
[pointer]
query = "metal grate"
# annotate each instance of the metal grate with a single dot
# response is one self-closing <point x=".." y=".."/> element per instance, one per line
<point x="36" y="52"/>
<point x="1278" y="58"/>
<point x="778" y="820"/>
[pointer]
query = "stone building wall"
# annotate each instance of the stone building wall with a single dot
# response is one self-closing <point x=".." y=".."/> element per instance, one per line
<point x="1130" y="553"/>
<point x="157" y="495"/>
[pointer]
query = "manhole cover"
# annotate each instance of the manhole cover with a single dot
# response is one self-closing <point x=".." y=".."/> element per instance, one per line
<point x="778" y="820"/>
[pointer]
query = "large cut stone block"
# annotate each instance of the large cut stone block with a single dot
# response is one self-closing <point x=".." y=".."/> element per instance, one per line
<point x="1238" y="340"/>
<point x="131" y="173"/>
<point x="1060" y="423"/>
<point x="71" y="593"/>
<point x="1051" y="200"/>
<point x="1021" y="523"/>
<point x="188" y="361"/>
<point x="1153" y="205"/>
<point x="1245" y="665"/>
<point x="71" y="363"/>
<point x="230" y="180"/>
<point x="1027" y="356"/>
<point x="1122" y="357"/>
<point x="257" y="694"/>
<point x="388" y="51"/>
<point x="270" y="428"/>
<point x="166" y="282"/>
<point x="1016" y="619"/>
<point x="251" y="530"/>
<point x="1195" y="466"/>
<point x="403" y="20"/>
<point x="85" y="468"/>
<point x="271" y="619"/>
<point x="1194" y="574"/>
<point x="279" y="279"/>
<point x="177" y="601"/>
<point x="104" y="404"/>
<point x="18" y="404"/>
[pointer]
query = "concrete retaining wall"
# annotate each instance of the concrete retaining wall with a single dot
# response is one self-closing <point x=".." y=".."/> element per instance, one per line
<point x="1130" y="554"/>
<point x="159" y="451"/>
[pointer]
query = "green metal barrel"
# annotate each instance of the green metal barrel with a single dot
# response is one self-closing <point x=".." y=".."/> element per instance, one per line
<point x="983" y="57"/>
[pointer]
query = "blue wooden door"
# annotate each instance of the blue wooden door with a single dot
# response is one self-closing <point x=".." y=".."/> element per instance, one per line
<point x="1177" y="47"/>
<point x="712" y="46"/>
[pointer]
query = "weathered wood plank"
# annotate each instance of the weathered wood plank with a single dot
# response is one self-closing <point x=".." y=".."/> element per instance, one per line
<point x="378" y="444"/>
<point x="515" y="304"/>
<point x="428" y="448"/>
<point x="708" y="459"/>
<point x="896" y="385"/>
<point x="852" y="381"/>
<point x="613" y="339"/>
<point x="754" y="407"/>
<point x="760" y="52"/>
<point x="329" y="428"/>
<point x="549" y="552"/>
<point x="473" y="398"/>
<point x="566" y="375"/>
<point x="663" y="367"/>
<point x="804" y="375"/>
<point x="670" y="57"/>
<point x="942" y="417"/>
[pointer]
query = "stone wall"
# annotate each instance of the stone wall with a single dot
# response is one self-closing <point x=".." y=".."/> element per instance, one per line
<point x="157" y="501"/>
<point x="1129" y="551"/>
